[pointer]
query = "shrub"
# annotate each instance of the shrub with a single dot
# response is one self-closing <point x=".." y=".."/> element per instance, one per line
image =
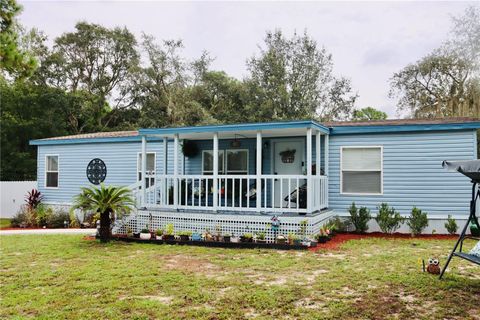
<point x="388" y="218"/>
<point x="74" y="219"/>
<point x="359" y="218"/>
<point x="169" y="229"/>
<point x="417" y="221"/>
<point x="57" y="219"/>
<point x="33" y="199"/>
<point x="41" y="215"/>
<point x="451" y="225"/>
<point x="19" y="219"/>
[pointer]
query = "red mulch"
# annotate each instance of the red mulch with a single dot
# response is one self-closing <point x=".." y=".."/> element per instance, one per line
<point x="339" y="239"/>
<point x="88" y="238"/>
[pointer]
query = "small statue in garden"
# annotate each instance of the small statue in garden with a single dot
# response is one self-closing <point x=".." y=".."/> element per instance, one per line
<point x="433" y="266"/>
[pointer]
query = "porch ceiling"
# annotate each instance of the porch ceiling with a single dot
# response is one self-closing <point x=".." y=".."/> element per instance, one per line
<point x="271" y="129"/>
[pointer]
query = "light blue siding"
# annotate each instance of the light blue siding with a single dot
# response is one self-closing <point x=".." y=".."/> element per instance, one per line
<point x="120" y="159"/>
<point x="412" y="171"/>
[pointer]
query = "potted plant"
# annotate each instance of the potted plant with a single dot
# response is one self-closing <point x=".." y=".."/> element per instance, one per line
<point x="474" y="230"/>
<point x="129" y="232"/>
<point x="261" y="237"/>
<point x="145" y="234"/>
<point x="185" y="235"/>
<point x="312" y="241"/>
<point x="291" y="238"/>
<point x="159" y="234"/>
<point x="226" y="237"/>
<point x="281" y="239"/>
<point x="169" y="235"/>
<point x="208" y="236"/>
<point x="322" y="237"/>
<point x="196" y="236"/>
<point x="247" y="237"/>
<point x="234" y="239"/>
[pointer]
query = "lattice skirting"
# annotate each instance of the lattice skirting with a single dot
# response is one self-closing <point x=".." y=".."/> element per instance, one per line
<point x="233" y="224"/>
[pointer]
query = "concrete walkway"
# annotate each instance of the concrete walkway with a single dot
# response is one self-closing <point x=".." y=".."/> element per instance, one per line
<point x="48" y="231"/>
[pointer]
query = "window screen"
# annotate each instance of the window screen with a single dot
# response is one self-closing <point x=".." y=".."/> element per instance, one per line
<point x="362" y="170"/>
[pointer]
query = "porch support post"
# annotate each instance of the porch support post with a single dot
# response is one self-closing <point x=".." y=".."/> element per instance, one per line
<point x="163" y="181"/>
<point x="144" y="169"/>
<point x="259" y="170"/>
<point x="327" y="137"/>
<point x="318" y="151"/>
<point x="309" y="170"/>
<point x="175" y="170"/>
<point x="326" y="154"/>
<point x="215" y="171"/>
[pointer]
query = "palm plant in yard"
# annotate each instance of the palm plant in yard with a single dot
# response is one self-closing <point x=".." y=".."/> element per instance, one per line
<point x="106" y="200"/>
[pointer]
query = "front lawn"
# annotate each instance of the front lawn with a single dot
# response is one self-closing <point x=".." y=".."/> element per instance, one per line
<point x="60" y="277"/>
<point x="5" y="223"/>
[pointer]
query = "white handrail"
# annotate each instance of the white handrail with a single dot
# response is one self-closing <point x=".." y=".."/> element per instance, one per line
<point x="279" y="193"/>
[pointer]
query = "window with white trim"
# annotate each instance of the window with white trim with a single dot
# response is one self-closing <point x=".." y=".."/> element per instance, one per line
<point x="51" y="171"/>
<point x="207" y="161"/>
<point x="149" y="170"/>
<point x="237" y="161"/>
<point x="361" y="170"/>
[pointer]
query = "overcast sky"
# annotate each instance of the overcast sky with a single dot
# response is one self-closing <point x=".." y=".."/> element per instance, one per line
<point x="369" y="41"/>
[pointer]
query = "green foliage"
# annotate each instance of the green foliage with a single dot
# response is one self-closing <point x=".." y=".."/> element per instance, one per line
<point x="451" y="225"/>
<point x="446" y="82"/>
<point x="159" y="232"/>
<point x="388" y="219"/>
<point x="261" y="236"/>
<point x="106" y="200"/>
<point x="292" y="79"/>
<point x="144" y="230"/>
<point x="417" y="221"/>
<point x="14" y="60"/>
<point x="19" y="219"/>
<point x="367" y="114"/>
<point x="41" y="216"/>
<point x="359" y="218"/>
<point x="169" y="229"/>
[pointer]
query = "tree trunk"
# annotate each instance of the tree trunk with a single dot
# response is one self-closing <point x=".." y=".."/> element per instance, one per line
<point x="105" y="226"/>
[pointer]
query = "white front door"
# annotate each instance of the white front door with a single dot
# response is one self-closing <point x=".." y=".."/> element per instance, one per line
<point x="288" y="159"/>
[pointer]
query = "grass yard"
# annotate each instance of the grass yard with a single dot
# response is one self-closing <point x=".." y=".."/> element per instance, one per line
<point x="4" y="223"/>
<point x="60" y="277"/>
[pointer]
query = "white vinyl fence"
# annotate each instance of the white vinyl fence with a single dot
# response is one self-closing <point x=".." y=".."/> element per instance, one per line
<point x="13" y="196"/>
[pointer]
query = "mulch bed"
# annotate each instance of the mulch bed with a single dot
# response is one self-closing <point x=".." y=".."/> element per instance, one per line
<point x="339" y="239"/>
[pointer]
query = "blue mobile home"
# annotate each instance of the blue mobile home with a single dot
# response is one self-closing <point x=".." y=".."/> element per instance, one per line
<point x="237" y="177"/>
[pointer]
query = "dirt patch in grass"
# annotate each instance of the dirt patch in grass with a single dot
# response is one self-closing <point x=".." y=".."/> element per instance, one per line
<point x="191" y="264"/>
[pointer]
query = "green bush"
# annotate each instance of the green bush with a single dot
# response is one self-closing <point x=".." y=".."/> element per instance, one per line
<point x="359" y="218"/>
<point x="19" y="219"/>
<point x="388" y="219"/>
<point x="451" y="225"/>
<point x="57" y="219"/>
<point x="417" y="221"/>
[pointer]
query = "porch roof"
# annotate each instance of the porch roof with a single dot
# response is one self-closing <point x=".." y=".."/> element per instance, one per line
<point x="247" y="130"/>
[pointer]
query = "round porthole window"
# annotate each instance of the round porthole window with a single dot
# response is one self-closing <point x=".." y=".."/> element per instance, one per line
<point x="96" y="171"/>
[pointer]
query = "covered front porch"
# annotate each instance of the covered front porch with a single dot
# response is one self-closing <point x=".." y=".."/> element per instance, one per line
<point x="264" y="168"/>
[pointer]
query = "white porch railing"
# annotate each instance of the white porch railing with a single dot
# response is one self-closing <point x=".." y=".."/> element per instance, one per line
<point x="279" y="193"/>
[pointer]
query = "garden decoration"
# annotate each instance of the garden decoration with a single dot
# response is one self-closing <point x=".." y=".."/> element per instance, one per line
<point x="433" y="266"/>
<point x="275" y="225"/>
<point x="288" y="156"/>
<point x="471" y="169"/>
<point x="96" y="171"/>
